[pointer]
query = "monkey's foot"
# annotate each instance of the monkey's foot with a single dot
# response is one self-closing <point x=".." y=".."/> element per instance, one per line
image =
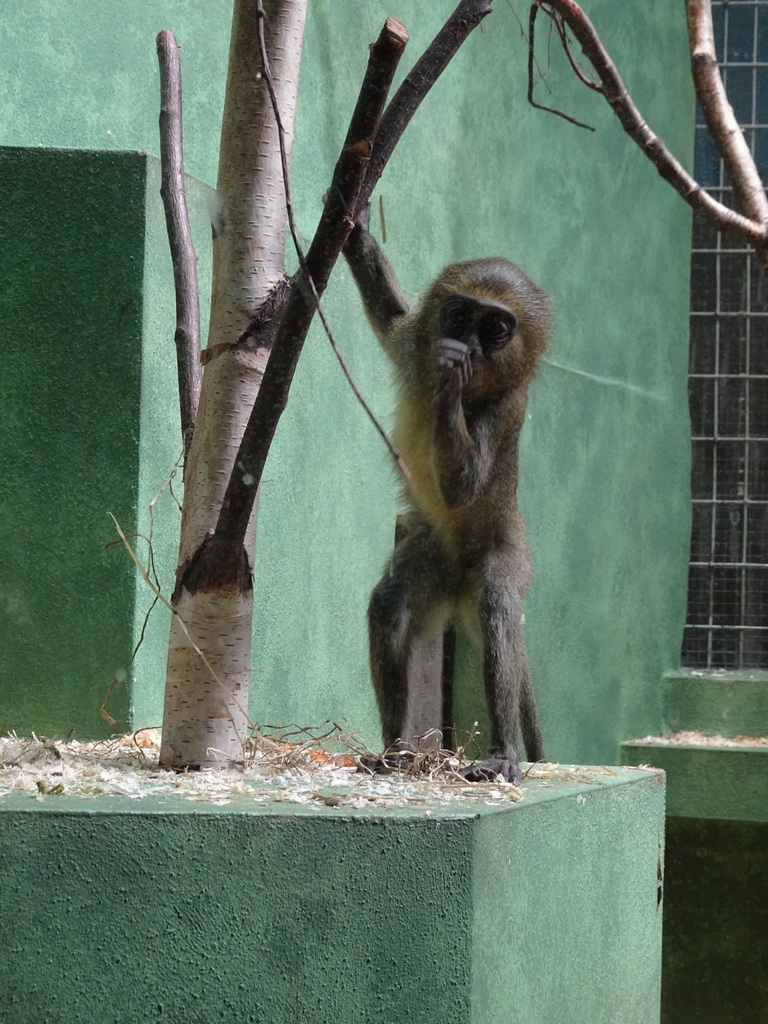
<point x="385" y="764"/>
<point x="490" y="768"/>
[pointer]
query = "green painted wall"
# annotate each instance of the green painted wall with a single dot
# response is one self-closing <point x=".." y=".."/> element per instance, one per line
<point x="605" y="453"/>
<point x="534" y="912"/>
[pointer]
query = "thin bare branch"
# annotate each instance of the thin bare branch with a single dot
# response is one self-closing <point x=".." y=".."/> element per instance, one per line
<point x="623" y="106"/>
<point x="531" y="60"/>
<point x="525" y="37"/>
<point x="392" y="27"/>
<point x="184" y="259"/>
<point x="558" y="22"/>
<point x="718" y="113"/>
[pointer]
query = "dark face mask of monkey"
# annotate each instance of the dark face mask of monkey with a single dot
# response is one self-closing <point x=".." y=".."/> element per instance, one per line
<point x="473" y="330"/>
<point x="463" y="360"/>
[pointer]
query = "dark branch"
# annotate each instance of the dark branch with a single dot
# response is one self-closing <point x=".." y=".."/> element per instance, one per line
<point x="187" y="335"/>
<point x="623" y="106"/>
<point x="308" y="285"/>
<point x="417" y="84"/>
<point x="379" y="79"/>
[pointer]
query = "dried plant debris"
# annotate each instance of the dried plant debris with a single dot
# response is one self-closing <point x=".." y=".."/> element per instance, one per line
<point x="318" y="768"/>
<point x="699" y="739"/>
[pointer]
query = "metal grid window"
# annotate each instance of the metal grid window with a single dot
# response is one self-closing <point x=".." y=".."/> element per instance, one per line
<point x="727" y="622"/>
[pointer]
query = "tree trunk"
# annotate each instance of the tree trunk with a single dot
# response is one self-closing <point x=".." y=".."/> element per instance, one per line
<point x="206" y="699"/>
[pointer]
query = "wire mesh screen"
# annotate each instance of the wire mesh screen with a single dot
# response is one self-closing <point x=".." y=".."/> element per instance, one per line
<point x="727" y="621"/>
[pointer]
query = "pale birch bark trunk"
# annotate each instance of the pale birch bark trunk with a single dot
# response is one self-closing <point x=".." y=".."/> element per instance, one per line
<point x="205" y="717"/>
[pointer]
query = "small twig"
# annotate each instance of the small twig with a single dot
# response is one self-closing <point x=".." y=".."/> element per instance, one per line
<point x="531" y="59"/>
<point x="164" y="600"/>
<point x="524" y="37"/>
<point x="151" y="570"/>
<point x="184" y="259"/>
<point x="558" y="23"/>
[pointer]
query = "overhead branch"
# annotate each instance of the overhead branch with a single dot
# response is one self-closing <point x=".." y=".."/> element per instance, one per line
<point x="183" y="256"/>
<point x="558" y="23"/>
<point x="719" y="115"/>
<point x="633" y="123"/>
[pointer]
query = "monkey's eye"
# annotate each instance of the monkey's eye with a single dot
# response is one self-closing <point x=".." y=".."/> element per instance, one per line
<point x="455" y="316"/>
<point x="496" y="330"/>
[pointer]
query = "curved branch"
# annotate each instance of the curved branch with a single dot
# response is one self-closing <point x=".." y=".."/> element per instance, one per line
<point x="718" y="113"/>
<point x="623" y="106"/>
<point x="558" y="23"/>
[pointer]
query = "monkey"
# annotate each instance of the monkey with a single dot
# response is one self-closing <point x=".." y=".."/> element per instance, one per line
<point x="463" y="360"/>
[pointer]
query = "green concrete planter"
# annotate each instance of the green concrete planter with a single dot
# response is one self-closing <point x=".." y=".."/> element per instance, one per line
<point x="119" y="910"/>
<point x="717" y="703"/>
<point x="708" y="782"/>
<point x="716" y="865"/>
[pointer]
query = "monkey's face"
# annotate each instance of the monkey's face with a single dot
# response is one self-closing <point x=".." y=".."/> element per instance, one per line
<point x="484" y="326"/>
<point x="471" y="331"/>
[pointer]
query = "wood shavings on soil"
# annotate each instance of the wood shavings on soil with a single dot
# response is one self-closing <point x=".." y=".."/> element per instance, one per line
<point x="699" y="739"/>
<point x="299" y="773"/>
<point x="127" y="766"/>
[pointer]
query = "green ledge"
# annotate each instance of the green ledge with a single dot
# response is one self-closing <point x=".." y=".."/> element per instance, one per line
<point x="720" y="782"/>
<point x="119" y="910"/>
<point x="717" y="703"/>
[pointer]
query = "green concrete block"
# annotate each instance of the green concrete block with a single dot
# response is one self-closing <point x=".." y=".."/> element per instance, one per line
<point x="708" y="782"/>
<point x="119" y="910"/>
<point x="90" y="426"/>
<point x="717" y="703"/>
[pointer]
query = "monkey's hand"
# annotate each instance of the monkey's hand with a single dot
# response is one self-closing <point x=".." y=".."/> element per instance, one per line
<point x="452" y="354"/>
<point x="489" y="769"/>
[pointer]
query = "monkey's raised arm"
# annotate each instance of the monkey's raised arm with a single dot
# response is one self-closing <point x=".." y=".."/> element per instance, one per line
<point x="382" y="296"/>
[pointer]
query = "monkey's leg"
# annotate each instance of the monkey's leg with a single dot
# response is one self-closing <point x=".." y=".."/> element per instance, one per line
<point x="529" y="717"/>
<point x="507" y="681"/>
<point x="403" y="606"/>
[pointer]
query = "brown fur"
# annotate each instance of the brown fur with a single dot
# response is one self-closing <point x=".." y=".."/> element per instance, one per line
<point x="460" y="409"/>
